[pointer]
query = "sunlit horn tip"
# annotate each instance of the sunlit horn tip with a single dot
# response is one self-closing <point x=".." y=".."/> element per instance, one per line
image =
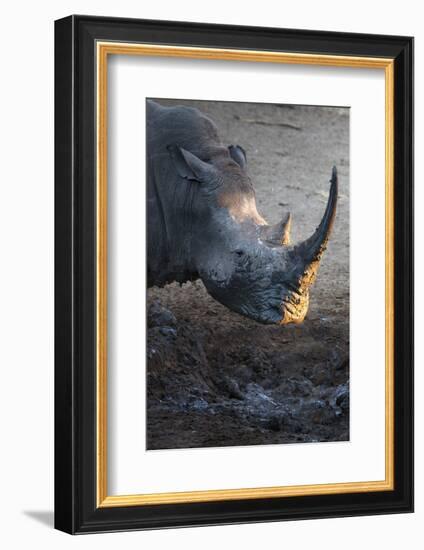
<point x="334" y="175"/>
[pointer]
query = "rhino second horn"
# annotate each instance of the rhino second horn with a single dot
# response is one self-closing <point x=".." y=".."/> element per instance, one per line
<point x="278" y="234"/>
<point x="286" y="229"/>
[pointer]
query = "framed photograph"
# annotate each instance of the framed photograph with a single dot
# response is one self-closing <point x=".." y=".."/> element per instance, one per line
<point x="234" y="269"/>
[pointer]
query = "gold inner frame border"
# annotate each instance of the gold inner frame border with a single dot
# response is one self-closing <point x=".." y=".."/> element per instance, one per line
<point x="103" y="50"/>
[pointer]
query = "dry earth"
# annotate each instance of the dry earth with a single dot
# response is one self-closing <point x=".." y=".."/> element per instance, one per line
<point x="216" y="378"/>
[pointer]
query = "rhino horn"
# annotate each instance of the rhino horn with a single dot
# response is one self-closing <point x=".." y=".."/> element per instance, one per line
<point x="308" y="254"/>
<point x="278" y="234"/>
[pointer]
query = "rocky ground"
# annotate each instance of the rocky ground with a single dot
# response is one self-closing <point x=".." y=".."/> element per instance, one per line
<point x="216" y="378"/>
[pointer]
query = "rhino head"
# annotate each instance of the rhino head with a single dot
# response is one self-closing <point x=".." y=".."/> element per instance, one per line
<point x="247" y="265"/>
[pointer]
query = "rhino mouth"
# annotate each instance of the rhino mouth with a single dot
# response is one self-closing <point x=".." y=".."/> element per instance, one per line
<point x="294" y="307"/>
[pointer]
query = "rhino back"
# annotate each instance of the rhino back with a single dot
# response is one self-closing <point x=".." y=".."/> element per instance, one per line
<point x="184" y="126"/>
<point x="168" y="195"/>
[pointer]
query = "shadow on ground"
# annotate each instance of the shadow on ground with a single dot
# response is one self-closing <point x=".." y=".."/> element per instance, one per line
<point x="46" y="517"/>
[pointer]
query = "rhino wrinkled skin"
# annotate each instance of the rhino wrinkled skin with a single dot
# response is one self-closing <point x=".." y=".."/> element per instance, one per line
<point x="202" y="222"/>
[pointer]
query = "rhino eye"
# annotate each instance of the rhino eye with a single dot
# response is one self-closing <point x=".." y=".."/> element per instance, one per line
<point x="239" y="253"/>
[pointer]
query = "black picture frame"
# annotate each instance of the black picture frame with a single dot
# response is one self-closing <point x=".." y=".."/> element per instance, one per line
<point x="76" y="509"/>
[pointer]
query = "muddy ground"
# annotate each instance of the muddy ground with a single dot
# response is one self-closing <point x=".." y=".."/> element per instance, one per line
<point x="216" y="378"/>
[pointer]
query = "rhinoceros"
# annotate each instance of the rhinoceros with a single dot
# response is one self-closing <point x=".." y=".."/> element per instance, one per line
<point x="202" y="222"/>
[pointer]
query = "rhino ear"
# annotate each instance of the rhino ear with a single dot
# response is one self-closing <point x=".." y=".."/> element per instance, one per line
<point x="189" y="166"/>
<point x="238" y="154"/>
